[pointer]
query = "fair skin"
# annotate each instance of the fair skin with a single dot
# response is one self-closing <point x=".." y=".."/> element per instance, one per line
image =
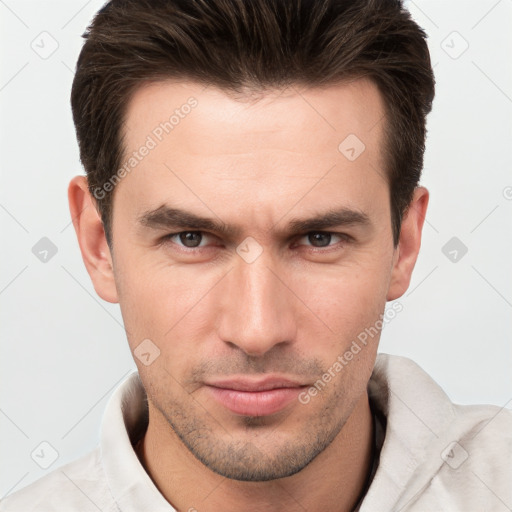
<point x="219" y="320"/>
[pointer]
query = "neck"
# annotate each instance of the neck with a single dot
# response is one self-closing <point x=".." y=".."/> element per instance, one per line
<point x="334" y="480"/>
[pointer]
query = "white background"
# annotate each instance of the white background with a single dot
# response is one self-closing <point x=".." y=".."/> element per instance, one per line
<point x="63" y="349"/>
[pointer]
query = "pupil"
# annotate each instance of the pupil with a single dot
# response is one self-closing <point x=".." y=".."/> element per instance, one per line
<point x="320" y="239"/>
<point x="190" y="238"/>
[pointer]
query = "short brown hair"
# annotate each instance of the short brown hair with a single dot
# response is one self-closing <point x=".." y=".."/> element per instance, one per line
<point x="255" y="45"/>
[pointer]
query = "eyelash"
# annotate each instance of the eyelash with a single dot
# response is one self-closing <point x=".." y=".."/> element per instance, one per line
<point x="344" y="239"/>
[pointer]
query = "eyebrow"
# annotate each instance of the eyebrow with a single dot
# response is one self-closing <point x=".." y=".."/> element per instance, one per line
<point x="166" y="217"/>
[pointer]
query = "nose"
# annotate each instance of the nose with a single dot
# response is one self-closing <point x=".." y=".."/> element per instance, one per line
<point x="257" y="308"/>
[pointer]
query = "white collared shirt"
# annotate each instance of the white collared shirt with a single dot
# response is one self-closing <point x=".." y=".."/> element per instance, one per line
<point x="435" y="455"/>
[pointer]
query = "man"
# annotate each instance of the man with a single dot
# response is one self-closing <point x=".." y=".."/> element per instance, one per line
<point x="252" y="203"/>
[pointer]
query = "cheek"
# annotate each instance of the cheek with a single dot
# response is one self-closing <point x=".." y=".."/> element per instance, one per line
<point x="162" y="302"/>
<point x="346" y="300"/>
<point x="350" y="307"/>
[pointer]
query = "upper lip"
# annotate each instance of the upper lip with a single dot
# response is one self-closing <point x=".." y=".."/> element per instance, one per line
<point x="255" y="384"/>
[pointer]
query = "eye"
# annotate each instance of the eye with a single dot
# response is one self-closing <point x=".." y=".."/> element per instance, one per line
<point x="200" y="239"/>
<point x="319" y="239"/>
<point x="187" y="239"/>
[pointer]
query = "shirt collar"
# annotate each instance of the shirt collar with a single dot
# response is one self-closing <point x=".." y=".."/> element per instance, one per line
<point x="124" y="421"/>
<point x="417" y="413"/>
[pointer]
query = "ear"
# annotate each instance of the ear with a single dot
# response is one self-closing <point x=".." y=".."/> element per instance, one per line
<point x="91" y="239"/>
<point x="409" y="244"/>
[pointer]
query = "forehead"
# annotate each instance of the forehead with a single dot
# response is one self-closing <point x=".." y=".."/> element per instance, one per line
<point x="208" y="148"/>
<point x="281" y="118"/>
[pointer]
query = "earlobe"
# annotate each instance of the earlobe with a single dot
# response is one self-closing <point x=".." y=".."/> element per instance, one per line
<point x="91" y="239"/>
<point x="408" y="248"/>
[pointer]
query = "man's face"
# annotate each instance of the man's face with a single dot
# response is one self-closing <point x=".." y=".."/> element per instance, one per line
<point x="270" y="302"/>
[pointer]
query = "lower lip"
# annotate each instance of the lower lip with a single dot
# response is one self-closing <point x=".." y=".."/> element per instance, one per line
<point x="255" y="403"/>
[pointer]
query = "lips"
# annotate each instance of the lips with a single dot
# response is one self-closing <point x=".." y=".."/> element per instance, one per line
<point x="250" y="397"/>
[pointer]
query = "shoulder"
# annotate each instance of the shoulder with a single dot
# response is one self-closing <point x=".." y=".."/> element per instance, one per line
<point x="484" y="422"/>
<point x="480" y="441"/>
<point x="477" y="462"/>
<point x="437" y="455"/>
<point x="79" y="485"/>
<point x="483" y="437"/>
